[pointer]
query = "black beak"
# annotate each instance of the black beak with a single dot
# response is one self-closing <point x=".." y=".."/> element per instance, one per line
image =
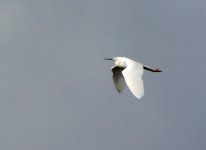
<point x="108" y="59"/>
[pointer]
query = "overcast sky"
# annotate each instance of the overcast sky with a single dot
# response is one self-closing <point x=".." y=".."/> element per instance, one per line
<point x="56" y="91"/>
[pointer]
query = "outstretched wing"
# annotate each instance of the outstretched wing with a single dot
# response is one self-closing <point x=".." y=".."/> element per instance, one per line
<point x="133" y="77"/>
<point x="118" y="78"/>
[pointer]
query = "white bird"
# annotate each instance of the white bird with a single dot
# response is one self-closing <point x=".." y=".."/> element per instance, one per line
<point x="130" y="72"/>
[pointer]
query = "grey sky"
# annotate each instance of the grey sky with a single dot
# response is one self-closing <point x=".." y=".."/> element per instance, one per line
<point x="56" y="90"/>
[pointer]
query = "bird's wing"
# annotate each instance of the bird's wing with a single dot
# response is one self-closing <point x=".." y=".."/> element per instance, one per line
<point x="118" y="78"/>
<point x="133" y="77"/>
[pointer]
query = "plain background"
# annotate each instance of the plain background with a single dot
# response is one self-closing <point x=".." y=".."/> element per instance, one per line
<point x="56" y="91"/>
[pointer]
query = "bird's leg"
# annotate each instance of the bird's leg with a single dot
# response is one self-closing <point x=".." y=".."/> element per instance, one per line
<point x="152" y="70"/>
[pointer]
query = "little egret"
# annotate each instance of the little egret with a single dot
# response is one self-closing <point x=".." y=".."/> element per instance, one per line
<point x="130" y="72"/>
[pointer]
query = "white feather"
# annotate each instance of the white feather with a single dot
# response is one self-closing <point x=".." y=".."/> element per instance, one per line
<point x="129" y="72"/>
<point x="133" y="78"/>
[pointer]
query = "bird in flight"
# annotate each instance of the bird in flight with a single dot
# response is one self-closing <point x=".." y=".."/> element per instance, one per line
<point x="129" y="72"/>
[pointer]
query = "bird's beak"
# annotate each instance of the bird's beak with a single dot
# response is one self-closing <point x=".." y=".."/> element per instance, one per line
<point x="108" y="59"/>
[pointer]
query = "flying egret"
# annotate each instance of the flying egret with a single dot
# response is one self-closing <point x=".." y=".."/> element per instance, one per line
<point x="130" y="72"/>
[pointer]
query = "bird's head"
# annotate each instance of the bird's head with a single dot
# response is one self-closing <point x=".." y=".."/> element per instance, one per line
<point x="119" y="61"/>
